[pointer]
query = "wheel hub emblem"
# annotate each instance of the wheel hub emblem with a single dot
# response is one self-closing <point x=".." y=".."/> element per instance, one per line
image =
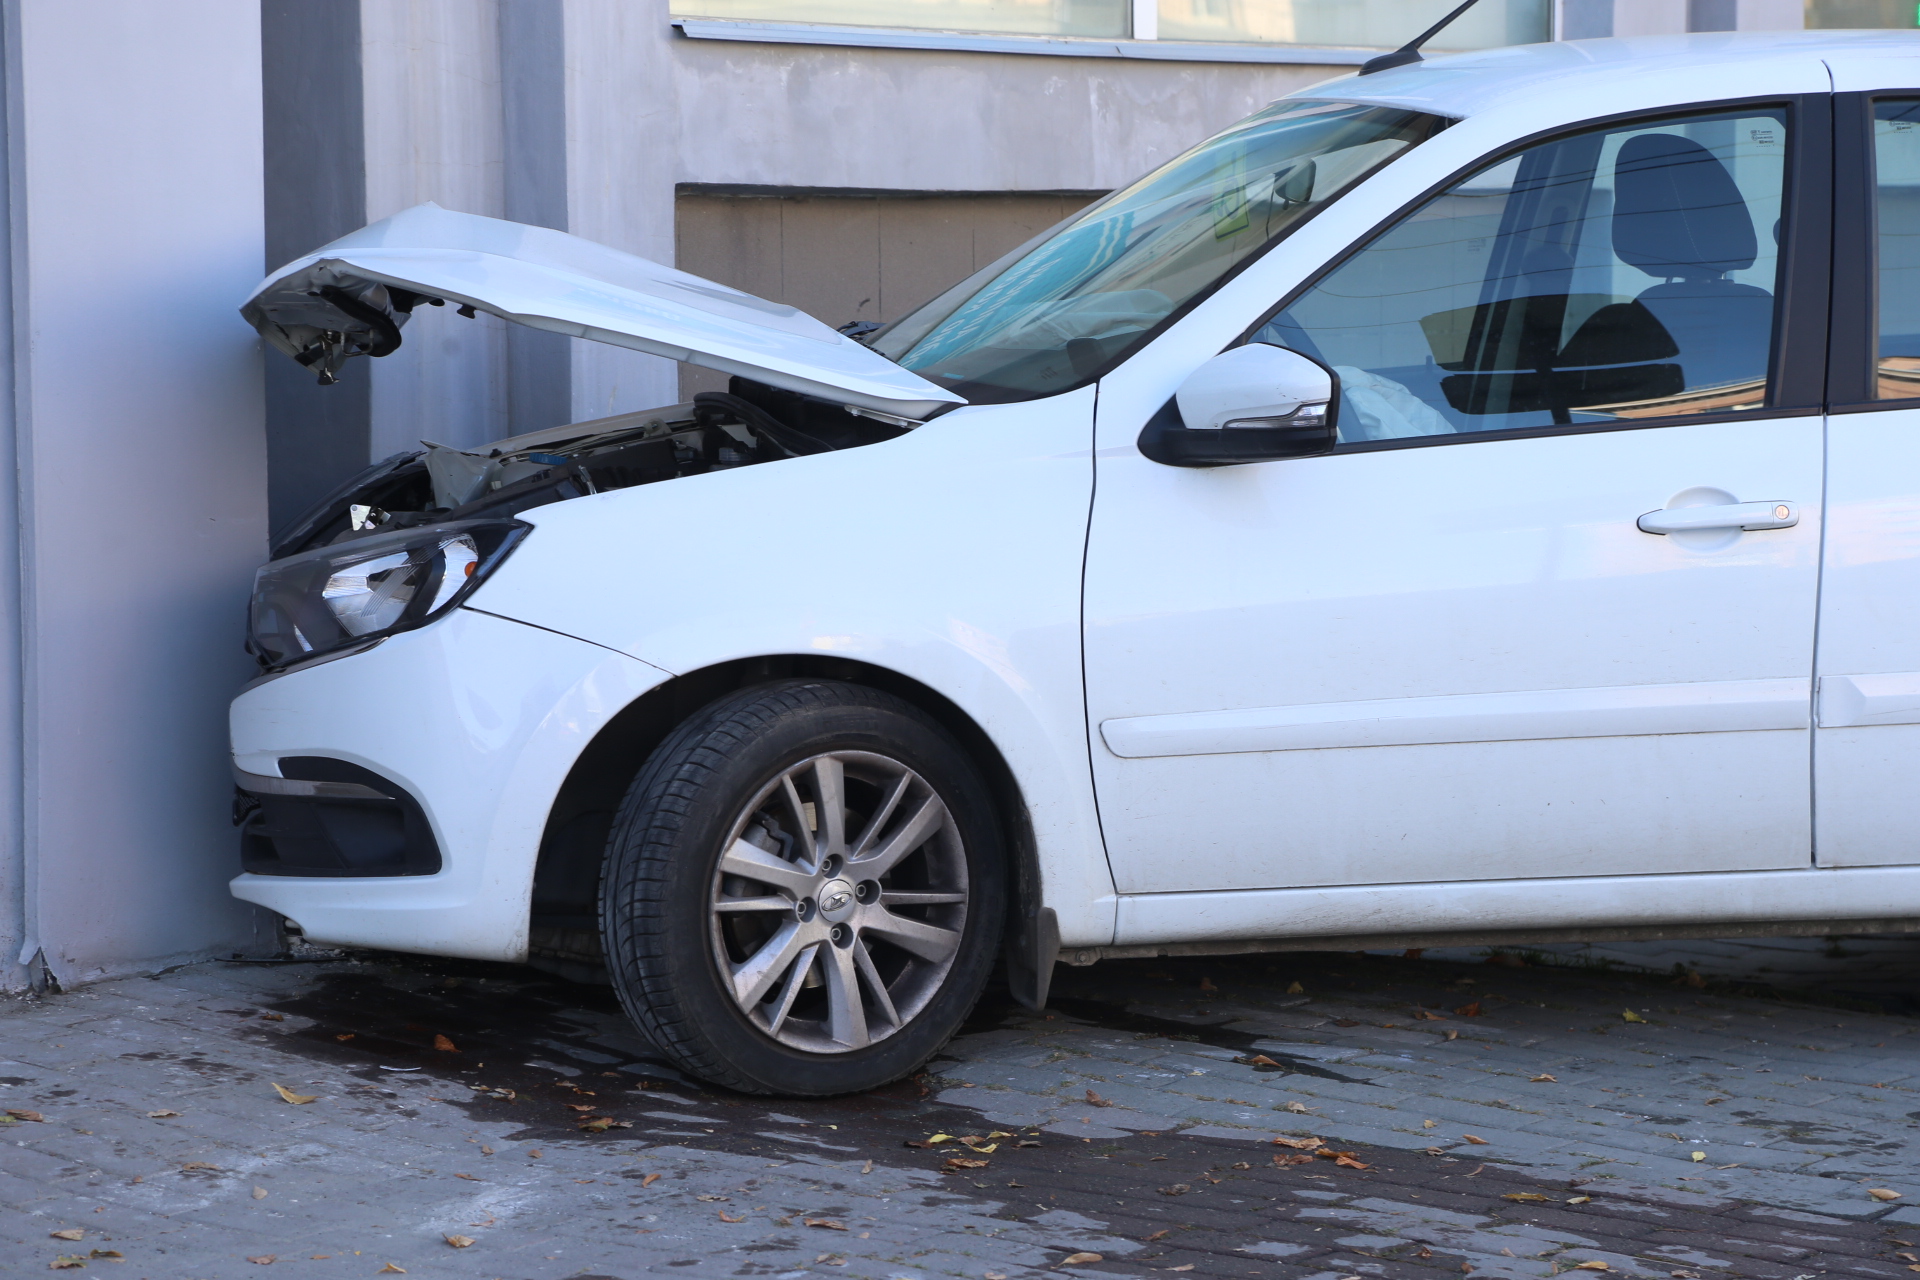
<point x="836" y="900"/>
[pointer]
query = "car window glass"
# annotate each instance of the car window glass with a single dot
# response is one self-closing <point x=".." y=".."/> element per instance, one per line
<point x="1614" y="274"/>
<point x="1060" y="310"/>
<point x="1896" y="166"/>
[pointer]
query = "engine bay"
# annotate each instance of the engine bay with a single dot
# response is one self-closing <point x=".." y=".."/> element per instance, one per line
<point x="748" y="424"/>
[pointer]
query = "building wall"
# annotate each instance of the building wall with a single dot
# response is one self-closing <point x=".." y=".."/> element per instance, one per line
<point x="134" y="141"/>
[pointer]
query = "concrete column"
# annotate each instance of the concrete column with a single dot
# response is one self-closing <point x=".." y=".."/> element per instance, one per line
<point x="623" y="121"/>
<point x="434" y="131"/>
<point x="134" y="133"/>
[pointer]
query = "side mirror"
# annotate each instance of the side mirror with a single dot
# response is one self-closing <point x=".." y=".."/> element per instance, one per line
<point x="1255" y="403"/>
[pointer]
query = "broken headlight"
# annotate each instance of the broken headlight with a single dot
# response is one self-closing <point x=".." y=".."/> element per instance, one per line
<point x="356" y="592"/>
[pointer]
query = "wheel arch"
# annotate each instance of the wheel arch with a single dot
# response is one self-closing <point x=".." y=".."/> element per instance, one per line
<point x="564" y="928"/>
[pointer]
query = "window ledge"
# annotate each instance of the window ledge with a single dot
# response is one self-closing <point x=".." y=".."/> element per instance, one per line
<point x="1049" y="46"/>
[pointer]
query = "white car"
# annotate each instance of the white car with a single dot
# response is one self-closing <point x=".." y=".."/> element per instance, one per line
<point x="1474" y="501"/>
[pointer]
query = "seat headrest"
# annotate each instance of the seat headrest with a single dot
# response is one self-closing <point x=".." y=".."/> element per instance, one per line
<point x="1676" y="210"/>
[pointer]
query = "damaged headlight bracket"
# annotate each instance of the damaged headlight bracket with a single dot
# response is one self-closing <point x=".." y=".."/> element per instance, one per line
<point x="352" y="594"/>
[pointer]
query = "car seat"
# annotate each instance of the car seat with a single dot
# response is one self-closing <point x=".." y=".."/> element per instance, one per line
<point x="1678" y="215"/>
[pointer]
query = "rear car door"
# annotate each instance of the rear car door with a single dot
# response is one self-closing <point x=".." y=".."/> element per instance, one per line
<point x="1867" y="744"/>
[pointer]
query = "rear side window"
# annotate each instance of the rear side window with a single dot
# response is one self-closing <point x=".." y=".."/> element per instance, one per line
<point x="1611" y="275"/>
<point x="1896" y="168"/>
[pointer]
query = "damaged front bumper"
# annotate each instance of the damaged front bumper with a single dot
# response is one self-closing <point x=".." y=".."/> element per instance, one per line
<point x="397" y="798"/>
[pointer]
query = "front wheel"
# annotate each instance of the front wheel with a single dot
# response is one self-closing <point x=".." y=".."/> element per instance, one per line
<point x="804" y="890"/>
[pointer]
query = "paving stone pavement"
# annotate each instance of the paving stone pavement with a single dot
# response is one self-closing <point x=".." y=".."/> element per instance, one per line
<point x="1500" y="1119"/>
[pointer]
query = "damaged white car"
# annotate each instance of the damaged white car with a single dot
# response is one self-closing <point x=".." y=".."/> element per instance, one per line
<point x="1405" y="518"/>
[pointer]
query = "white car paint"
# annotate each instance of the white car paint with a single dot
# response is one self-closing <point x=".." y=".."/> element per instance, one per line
<point x="953" y="556"/>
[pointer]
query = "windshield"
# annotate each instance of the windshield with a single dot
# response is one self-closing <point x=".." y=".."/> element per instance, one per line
<point x="1061" y="309"/>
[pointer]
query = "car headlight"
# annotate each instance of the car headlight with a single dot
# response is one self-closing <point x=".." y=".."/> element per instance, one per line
<point x="357" y="592"/>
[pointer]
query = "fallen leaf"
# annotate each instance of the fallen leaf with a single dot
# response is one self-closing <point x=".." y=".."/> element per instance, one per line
<point x="348" y="1036"/>
<point x="1257" y="1060"/>
<point x="1476" y="1141"/>
<point x="1543" y="1079"/>
<point x="469" y="1177"/>
<point x="1469" y="1010"/>
<point x="1525" y="1197"/>
<point x="1177" y="1189"/>
<point x="961" y="1162"/>
<point x="460" y="1242"/>
<point x="108" y="1253"/>
<point x="390" y="1269"/>
<point x="840" y="1260"/>
<point x="1295" y="989"/>
<point x="1627" y="1015"/>
<point x="1206" y="984"/>
<point x="259" y="1193"/>
<point x="1097" y="1100"/>
<point x="1435" y="1151"/>
<point x="444" y="1045"/>
<point x="1429" y="1124"/>
<point x="1185" y="1266"/>
<point x="1882" y="1193"/>
<point x="1453" y="1035"/>
<point x="67" y="1233"/>
<point x="161" y="1115"/>
<point x="264" y="1259"/>
<point x="1698" y="1156"/>
<point x="297" y="1099"/>
<point x="1593" y="1264"/>
<point x="197" y="1164"/>
<point x="711" y="1198"/>
<point x="649" y="1180"/>
<point x="578" y="1106"/>
<point x="1076" y="1259"/>
<point x="1580" y="1200"/>
<point x="1026" y="1142"/>
<point x="826" y="1223"/>
<point x="1422" y="1014"/>
<point x="274" y="1017"/>
<point x="600" y="1124"/>
<point x="1346" y="1161"/>
<point x="66" y="1262"/>
<point x="727" y="1217"/>
<point x="19" y="1114"/>
<point x="1299" y="1144"/>
<point x="1158" y="1235"/>
<point x="1298" y="1108"/>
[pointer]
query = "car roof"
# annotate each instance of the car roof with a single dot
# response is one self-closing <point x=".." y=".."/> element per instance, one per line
<point x="1470" y="84"/>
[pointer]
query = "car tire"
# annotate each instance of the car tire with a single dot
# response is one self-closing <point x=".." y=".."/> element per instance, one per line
<point x="764" y="946"/>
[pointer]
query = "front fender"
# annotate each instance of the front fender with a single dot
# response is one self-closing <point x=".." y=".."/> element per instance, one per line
<point x="951" y="555"/>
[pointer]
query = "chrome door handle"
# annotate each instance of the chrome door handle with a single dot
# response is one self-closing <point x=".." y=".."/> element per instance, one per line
<point x="1738" y="515"/>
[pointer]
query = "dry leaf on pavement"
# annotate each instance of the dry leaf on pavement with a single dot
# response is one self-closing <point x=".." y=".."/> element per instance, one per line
<point x="1185" y="1266"/>
<point x="259" y="1193"/>
<point x="67" y="1233"/>
<point x="1593" y="1264"/>
<point x="1206" y="984"/>
<point x="264" y="1259"/>
<point x="297" y="1099"/>
<point x="161" y="1115"/>
<point x="19" y="1114"/>
<point x="1075" y="1259"/>
<point x="827" y="1223"/>
<point x="1295" y="989"/>
<point x="191" y="1165"/>
<point x="727" y="1217"/>
<point x="108" y="1253"/>
<point x="443" y="1044"/>
<point x="1299" y="1144"/>
<point x="1543" y="1078"/>
<point x="1346" y="1161"/>
<point x="1628" y="1015"/>
<point x="1580" y="1200"/>
<point x="1097" y="1100"/>
<point x="392" y="1270"/>
<point x="460" y="1242"/>
<point x="66" y="1262"/>
<point x="961" y="1162"/>
<point x="1161" y="1233"/>
<point x="1698" y="1156"/>
<point x="1298" y="1108"/>
<point x="1469" y="1010"/>
<point x="1528" y="1197"/>
<point x="1475" y="1140"/>
<point x="649" y="1180"/>
<point x="1177" y="1189"/>
<point x="1453" y="1035"/>
<point x="1882" y="1193"/>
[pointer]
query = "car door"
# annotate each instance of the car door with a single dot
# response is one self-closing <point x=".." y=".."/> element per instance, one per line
<point x="1547" y="609"/>
<point x="1867" y="746"/>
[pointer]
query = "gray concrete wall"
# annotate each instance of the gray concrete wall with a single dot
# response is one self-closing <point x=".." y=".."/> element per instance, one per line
<point x="134" y="132"/>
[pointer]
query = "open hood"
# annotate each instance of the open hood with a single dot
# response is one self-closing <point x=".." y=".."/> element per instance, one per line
<point x="353" y="296"/>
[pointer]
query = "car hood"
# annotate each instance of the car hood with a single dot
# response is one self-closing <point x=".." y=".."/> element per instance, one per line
<point x="353" y="296"/>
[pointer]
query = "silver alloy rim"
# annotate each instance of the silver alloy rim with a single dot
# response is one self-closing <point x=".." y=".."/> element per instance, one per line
<point x="839" y="903"/>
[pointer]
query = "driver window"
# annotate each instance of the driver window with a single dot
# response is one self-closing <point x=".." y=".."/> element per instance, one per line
<point x="1612" y="275"/>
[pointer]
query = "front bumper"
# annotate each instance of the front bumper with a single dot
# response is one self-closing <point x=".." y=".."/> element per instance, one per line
<point x="478" y="719"/>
